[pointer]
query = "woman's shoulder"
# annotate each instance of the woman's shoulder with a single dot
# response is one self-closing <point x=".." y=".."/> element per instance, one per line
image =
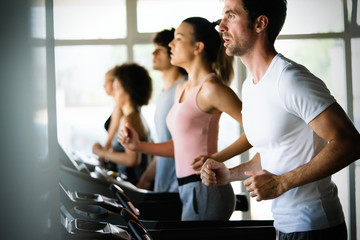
<point x="135" y="121"/>
<point x="214" y="85"/>
<point x="180" y="87"/>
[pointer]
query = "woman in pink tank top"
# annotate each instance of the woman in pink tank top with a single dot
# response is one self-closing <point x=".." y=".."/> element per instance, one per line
<point x="194" y="119"/>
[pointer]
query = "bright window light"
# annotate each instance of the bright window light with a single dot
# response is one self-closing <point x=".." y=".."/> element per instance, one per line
<point x="89" y="19"/>
<point x="155" y="15"/>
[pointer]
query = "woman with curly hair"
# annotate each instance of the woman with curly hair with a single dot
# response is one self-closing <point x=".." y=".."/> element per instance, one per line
<point x="132" y="89"/>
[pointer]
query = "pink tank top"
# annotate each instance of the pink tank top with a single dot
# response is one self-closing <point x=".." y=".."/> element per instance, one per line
<point x="193" y="131"/>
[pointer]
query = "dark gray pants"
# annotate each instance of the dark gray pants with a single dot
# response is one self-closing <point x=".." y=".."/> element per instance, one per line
<point x="201" y="202"/>
<point x="334" y="233"/>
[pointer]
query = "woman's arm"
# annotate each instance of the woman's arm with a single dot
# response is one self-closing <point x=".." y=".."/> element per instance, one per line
<point x="223" y="99"/>
<point x="148" y="176"/>
<point x="129" y="138"/>
<point x="127" y="158"/>
<point x="114" y="125"/>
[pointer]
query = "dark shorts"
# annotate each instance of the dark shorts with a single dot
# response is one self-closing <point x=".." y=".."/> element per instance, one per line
<point x="334" y="233"/>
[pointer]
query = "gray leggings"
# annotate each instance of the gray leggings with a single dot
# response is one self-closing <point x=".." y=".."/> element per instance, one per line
<point x="201" y="202"/>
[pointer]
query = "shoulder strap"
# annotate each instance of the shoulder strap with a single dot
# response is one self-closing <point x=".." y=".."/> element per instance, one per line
<point x="207" y="77"/>
<point x="182" y="92"/>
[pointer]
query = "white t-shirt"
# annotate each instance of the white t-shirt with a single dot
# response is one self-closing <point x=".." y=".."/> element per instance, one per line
<point x="276" y="112"/>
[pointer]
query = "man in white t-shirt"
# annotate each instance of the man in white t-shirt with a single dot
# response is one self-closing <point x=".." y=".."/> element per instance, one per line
<point x="300" y="132"/>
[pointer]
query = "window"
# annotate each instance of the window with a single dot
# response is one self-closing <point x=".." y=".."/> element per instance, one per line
<point x="355" y="52"/>
<point x="81" y="100"/>
<point x="307" y="16"/>
<point x="143" y="56"/>
<point x="356" y="105"/>
<point x="155" y="15"/>
<point x="328" y="63"/>
<point x="38" y="26"/>
<point x="89" y="19"/>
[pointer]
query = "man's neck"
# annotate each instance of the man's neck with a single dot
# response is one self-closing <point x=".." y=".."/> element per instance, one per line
<point x="170" y="77"/>
<point x="258" y="62"/>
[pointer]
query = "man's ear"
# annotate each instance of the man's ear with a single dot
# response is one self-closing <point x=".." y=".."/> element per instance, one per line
<point x="199" y="48"/>
<point x="261" y="23"/>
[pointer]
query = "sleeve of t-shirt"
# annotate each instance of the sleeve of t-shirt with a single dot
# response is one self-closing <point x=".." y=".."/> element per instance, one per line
<point x="303" y="94"/>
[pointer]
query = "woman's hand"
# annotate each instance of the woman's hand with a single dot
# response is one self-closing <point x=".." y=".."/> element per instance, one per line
<point x="214" y="173"/>
<point x="129" y="138"/>
<point x="98" y="150"/>
<point x="198" y="162"/>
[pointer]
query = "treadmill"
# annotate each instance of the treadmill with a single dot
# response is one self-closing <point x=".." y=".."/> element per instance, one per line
<point x="79" y="175"/>
<point x="158" y="215"/>
<point x="101" y="214"/>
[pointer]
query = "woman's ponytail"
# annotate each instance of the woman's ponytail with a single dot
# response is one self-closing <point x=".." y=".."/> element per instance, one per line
<point x="224" y="65"/>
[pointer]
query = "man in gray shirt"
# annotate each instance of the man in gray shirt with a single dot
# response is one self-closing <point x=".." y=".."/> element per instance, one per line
<point x="162" y="169"/>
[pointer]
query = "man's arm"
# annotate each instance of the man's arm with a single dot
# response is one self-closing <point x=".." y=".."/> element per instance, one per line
<point x="148" y="176"/>
<point x="343" y="148"/>
<point x="334" y="126"/>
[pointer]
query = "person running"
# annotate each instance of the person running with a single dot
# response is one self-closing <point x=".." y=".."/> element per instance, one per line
<point x="193" y="120"/>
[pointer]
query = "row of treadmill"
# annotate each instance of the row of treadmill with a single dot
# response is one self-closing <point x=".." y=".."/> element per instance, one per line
<point x="99" y="204"/>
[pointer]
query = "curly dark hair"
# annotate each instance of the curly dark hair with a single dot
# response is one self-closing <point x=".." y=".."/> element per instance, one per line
<point x="136" y="81"/>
